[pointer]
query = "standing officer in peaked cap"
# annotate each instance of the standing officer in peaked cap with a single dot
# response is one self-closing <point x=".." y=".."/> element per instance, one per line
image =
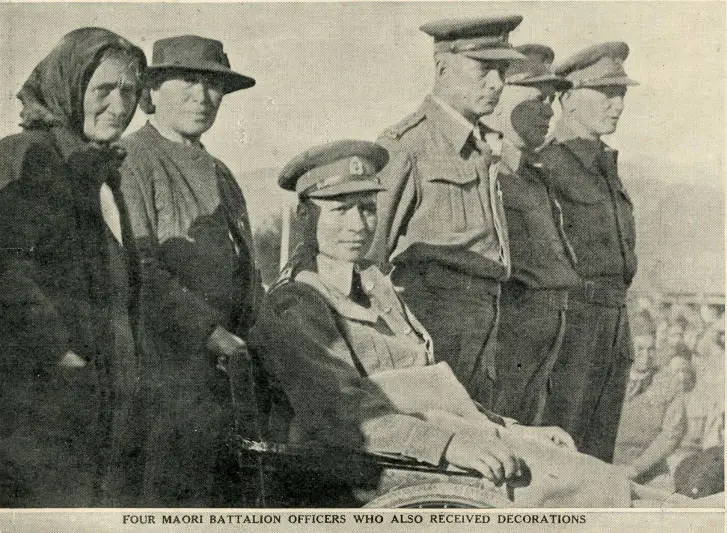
<point x="535" y="299"/>
<point x="590" y="377"/>
<point x="191" y="224"/>
<point x="537" y="52"/>
<point x="441" y="221"/>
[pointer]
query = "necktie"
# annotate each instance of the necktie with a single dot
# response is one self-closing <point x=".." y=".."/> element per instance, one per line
<point x="357" y="293"/>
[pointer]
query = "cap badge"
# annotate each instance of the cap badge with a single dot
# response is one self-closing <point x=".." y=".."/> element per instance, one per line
<point x="355" y="167"/>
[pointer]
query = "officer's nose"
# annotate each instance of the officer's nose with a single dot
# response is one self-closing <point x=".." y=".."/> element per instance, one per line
<point x="617" y="104"/>
<point x="494" y="81"/>
<point x="354" y="220"/>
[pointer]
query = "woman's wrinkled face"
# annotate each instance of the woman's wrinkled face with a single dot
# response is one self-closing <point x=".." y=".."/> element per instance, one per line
<point x="345" y="226"/>
<point x="110" y="98"/>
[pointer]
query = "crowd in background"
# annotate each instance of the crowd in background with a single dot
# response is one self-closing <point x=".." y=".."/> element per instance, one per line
<point x="672" y="421"/>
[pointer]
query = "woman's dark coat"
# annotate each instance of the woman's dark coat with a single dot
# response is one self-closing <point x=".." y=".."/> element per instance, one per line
<point x="65" y="285"/>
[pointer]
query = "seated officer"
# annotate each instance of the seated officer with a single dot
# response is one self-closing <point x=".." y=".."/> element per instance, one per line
<point x="359" y="370"/>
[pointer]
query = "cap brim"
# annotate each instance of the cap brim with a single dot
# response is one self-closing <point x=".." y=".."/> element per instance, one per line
<point x="350" y="187"/>
<point x="609" y="82"/>
<point x="560" y="84"/>
<point x="494" y="54"/>
<point x="233" y="81"/>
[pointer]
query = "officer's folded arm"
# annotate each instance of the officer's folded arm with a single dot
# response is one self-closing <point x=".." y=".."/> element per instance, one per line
<point x="551" y="435"/>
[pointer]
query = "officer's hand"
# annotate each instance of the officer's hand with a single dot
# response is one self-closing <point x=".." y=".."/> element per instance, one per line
<point x="553" y="435"/>
<point x="632" y="473"/>
<point x="490" y="457"/>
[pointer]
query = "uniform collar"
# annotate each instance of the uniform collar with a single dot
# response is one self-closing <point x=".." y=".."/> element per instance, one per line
<point x="513" y="157"/>
<point x="455" y="128"/>
<point x="586" y="150"/>
<point x="335" y="274"/>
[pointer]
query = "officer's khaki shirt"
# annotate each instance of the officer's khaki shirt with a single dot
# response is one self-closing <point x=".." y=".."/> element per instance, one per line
<point x="442" y="202"/>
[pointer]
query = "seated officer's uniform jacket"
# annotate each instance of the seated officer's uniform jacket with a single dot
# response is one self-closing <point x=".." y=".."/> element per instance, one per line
<point x="320" y="346"/>
<point x="597" y="211"/>
<point x="442" y="203"/>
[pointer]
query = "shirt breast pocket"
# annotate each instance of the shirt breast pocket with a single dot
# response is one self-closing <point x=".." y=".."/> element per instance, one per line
<point x="453" y="193"/>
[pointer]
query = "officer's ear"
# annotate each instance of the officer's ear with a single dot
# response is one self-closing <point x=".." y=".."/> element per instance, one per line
<point x="566" y="100"/>
<point x="440" y="64"/>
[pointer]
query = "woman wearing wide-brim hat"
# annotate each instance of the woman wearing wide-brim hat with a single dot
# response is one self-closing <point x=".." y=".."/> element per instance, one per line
<point x="200" y="282"/>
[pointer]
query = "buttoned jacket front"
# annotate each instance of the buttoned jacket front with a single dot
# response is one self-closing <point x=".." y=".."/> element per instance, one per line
<point x="597" y="210"/>
<point x="542" y="257"/>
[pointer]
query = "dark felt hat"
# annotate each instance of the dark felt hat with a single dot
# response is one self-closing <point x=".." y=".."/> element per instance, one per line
<point x="478" y="38"/>
<point x="334" y="169"/>
<point x="196" y="54"/>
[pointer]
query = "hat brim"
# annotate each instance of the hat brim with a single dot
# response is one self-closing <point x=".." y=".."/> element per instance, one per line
<point x="232" y="81"/>
<point x="350" y="187"/>
<point x="608" y="82"/>
<point x="494" y="54"/>
<point x="560" y="84"/>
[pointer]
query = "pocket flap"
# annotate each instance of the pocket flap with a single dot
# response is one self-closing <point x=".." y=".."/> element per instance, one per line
<point x="579" y="190"/>
<point x="447" y="170"/>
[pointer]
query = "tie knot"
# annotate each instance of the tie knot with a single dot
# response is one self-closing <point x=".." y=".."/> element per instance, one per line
<point x="480" y="143"/>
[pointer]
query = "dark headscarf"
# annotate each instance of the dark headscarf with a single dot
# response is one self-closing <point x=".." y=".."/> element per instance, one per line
<point x="53" y="94"/>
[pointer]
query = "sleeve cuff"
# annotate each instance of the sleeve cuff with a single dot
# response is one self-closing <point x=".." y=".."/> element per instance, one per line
<point x="427" y="444"/>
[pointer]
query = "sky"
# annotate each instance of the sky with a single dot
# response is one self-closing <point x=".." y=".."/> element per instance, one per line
<point x="327" y="71"/>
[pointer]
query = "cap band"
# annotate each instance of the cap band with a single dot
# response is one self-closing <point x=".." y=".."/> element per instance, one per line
<point x="337" y="180"/>
<point x="606" y="68"/>
<point x="324" y="176"/>
<point x="471" y="45"/>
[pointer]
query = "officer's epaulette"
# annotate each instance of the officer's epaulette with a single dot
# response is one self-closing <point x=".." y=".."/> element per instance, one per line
<point x="285" y="277"/>
<point x="396" y="131"/>
<point x="302" y="257"/>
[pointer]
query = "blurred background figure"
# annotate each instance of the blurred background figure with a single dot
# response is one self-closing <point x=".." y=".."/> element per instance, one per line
<point x="643" y="332"/>
<point x="653" y="422"/>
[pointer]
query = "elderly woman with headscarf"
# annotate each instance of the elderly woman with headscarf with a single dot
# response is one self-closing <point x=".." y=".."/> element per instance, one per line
<point x="69" y="280"/>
